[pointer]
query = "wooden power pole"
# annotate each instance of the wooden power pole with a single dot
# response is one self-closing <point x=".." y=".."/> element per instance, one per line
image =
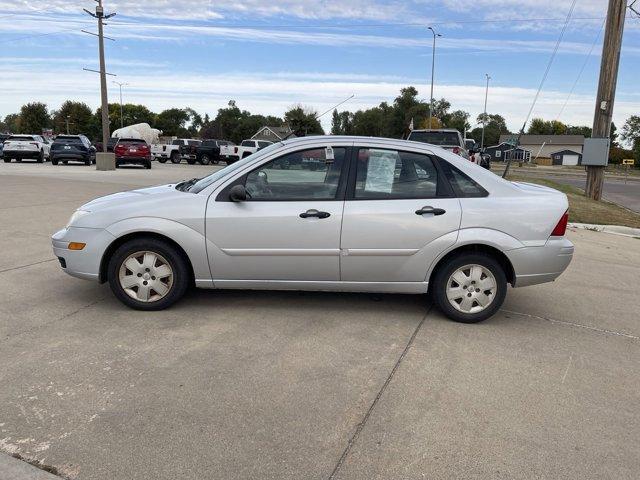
<point x="606" y="89"/>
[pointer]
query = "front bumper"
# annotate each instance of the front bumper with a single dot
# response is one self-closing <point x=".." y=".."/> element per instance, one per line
<point x="534" y="265"/>
<point x="83" y="263"/>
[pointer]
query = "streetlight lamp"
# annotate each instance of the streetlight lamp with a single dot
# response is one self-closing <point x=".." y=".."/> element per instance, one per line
<point x="484" y="118"/>
<point x="433" y="66"/>
<point x="121" y="84"/>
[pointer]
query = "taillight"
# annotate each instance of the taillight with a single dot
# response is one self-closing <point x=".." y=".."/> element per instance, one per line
<point x="456" y="150"/>
<point x="561" y="226"/>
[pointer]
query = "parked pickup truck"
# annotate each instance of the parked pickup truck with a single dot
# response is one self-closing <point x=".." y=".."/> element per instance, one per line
<point x="178" y="150"/>
<point x="21" y="147"/>
<point x="447" y="138"/>
<point x="246" y="148"/>
<point x="212" y="151"/>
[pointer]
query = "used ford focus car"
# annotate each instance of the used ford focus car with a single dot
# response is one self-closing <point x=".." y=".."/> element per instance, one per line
<point x="374" y="215"/>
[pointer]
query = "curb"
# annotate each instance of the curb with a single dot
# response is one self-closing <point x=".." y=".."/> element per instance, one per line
<point x="13" y="469"/>
<point x="612" y="229"/>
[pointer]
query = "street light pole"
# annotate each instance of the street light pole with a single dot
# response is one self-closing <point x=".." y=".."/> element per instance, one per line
<point x="121" y="84"/>
<point x="433" y="66"/>
<point x="484" y="118"/>
<point x="67" y="122"/>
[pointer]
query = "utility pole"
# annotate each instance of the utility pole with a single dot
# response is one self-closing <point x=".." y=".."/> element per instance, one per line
<point x="484" y="118"/>
<point x="121" y="84"/>
<point x="433" y="67"/>
<point x="614" y="27"/>
<point x="101" y="17"/>
<point x="67" y="122"/>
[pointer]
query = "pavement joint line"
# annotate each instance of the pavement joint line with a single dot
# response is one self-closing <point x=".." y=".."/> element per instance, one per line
<point x="573" y="324"/>
<point x="27" y="265"/>
<point x="361" y="425"/>
<point x="66" y="315"/>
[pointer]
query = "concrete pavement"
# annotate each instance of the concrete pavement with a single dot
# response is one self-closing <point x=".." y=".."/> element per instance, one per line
<point x="235" y="384"/>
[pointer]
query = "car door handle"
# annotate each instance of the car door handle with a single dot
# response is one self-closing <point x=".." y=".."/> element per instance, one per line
<point x="435" y="211"/>
<point x="314" y="213"/>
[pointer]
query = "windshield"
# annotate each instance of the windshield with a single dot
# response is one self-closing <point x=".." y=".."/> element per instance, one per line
<point x="61" y="139"/>
<point x="210" y="179"/>
<point x="436" y="138"/>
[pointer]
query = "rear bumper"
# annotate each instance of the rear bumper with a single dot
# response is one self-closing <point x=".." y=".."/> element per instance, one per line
<point x="132" y="160"/>
<point x="534" y="265"/>
<point x="21" y="154"/>
<point x="81" y="157"/>
<point x="83" y="263"/>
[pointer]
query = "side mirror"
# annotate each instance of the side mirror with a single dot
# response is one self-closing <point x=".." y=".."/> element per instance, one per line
<point x="238" y="193"/>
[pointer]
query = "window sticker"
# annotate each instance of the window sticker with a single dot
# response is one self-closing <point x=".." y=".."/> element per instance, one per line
<point x="380" y="173"/>
<point x="328" y="154"/>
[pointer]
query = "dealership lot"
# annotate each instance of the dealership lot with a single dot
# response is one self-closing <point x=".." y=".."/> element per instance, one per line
<point x="307" y="385"/>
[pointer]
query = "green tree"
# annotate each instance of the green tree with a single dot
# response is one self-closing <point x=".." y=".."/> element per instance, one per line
<point x="631" y="135"/>
<point x="342" y="123"/>
<point x="34" y="117"/>
<point x="302" y="121"/>
<point x="578" y="130"/>
<point x="494" y="127"/>
<point x="458" y="119"/>
<point x="79" y="116"/>
<point x="539" y="126"/>
<point x="11" y="123"/>
<point x="172" y="122"/>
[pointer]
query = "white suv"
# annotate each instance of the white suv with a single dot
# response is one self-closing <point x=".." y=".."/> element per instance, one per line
<point x="21" y="147"/>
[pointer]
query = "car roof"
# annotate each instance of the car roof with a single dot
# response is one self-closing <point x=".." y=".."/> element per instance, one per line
<point x="436" y="130"/>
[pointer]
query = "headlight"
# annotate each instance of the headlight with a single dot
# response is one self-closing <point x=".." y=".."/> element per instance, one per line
<point x="76" y="215"/>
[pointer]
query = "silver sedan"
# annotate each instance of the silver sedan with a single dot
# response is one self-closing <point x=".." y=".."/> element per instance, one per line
<point x="326" y="213"/>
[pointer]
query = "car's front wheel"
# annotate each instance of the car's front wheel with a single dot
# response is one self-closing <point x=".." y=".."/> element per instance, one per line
<point x="148" y="274"/>
<point x="205" y="160"/>
<point x="470" y="288"/>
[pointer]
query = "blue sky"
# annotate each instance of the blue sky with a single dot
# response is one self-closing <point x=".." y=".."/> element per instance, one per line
<point x="269" y="56"/>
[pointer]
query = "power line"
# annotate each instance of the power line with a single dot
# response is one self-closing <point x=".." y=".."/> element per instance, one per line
<point x="544" y="78"/>
<point x="584" y="64"/>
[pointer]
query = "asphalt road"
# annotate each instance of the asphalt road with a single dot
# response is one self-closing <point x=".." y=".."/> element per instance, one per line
<point x="287" y="385"/>
<point x="615" y="190"/>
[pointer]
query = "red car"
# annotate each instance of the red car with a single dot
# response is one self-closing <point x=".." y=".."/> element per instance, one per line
<point x="132" y="151"/>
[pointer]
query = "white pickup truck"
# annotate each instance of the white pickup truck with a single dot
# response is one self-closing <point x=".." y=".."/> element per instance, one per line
<point x="246" y="148"/>
<point x="178" y="150"/>
<point x="21" y="147"/>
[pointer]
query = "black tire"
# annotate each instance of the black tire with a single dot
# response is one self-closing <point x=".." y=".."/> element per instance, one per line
<point x="204" y="159"/>
<point x="87" y="162"/>
<point x="6" y="160"/>
<point x="40" y="158"/>
<point x="246" y="154"/>
<point x="147" y="164"/>
<point x="175" y="157"/>
<point x="181" y="273"/>
<point x="66" y="162"/>
<point x="162" y="160"/>
<point x="439" y="287"/>
<point x="54" y="161"/>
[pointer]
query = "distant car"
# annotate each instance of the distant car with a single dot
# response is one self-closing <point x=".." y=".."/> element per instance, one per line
<point x="22" y="147"/>
<point x="111" y="143"/>
<point x="76" y="148"/>
<point x="3" y="137"/>
<point x="382" y="215"/>
<point x="447" y="138"/>
<point x="246" y="148"/>
<point x="208" y="152"/>
<point x="132" y="151"/>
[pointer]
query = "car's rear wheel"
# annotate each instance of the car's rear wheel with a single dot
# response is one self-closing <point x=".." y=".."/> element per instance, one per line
<point x="205" y="160"/>
<point x="6" y="160"/>
<point x="175" y="157"/>
<point x="147" y="164"/>
<point x="54" y="161"/>
<point x="191" y="161"/>
<point x="470" y="288"/>
<point x="162" y="160"/>
<point x="87" y="161"/>
<point x="40" y="158"/>
<point x="148" y="274"/>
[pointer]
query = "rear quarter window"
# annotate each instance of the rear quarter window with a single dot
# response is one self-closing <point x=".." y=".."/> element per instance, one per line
<point x="463" y="186"/>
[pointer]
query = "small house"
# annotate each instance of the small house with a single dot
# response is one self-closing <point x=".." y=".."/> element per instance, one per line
<point x="566" y="157"/>
<point x="273" y="134"/>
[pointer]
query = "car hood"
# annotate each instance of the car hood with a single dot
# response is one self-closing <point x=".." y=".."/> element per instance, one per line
<point x="122" y="198"/>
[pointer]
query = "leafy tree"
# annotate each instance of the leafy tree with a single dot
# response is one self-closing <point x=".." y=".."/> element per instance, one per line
<point x="11" y="123"/>
<point x="494" y="127"/>
<point x="342" y="123"/>
<point x="539" y="126"/>
<point x="79" y="115"/>
<point x="302" y="121"/>
<point x="458" y="119"/>
<point x="631" y="129"/>
<point x="577" y="130"/>
<point x="172" y="121"/>
<point x="33" y="118"/>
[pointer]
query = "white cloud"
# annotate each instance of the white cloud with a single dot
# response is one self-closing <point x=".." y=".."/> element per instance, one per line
<point x="274" y="93"/>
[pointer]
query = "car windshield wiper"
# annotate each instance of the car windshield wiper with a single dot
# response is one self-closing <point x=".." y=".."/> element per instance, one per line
<point x="185" y="185"/>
